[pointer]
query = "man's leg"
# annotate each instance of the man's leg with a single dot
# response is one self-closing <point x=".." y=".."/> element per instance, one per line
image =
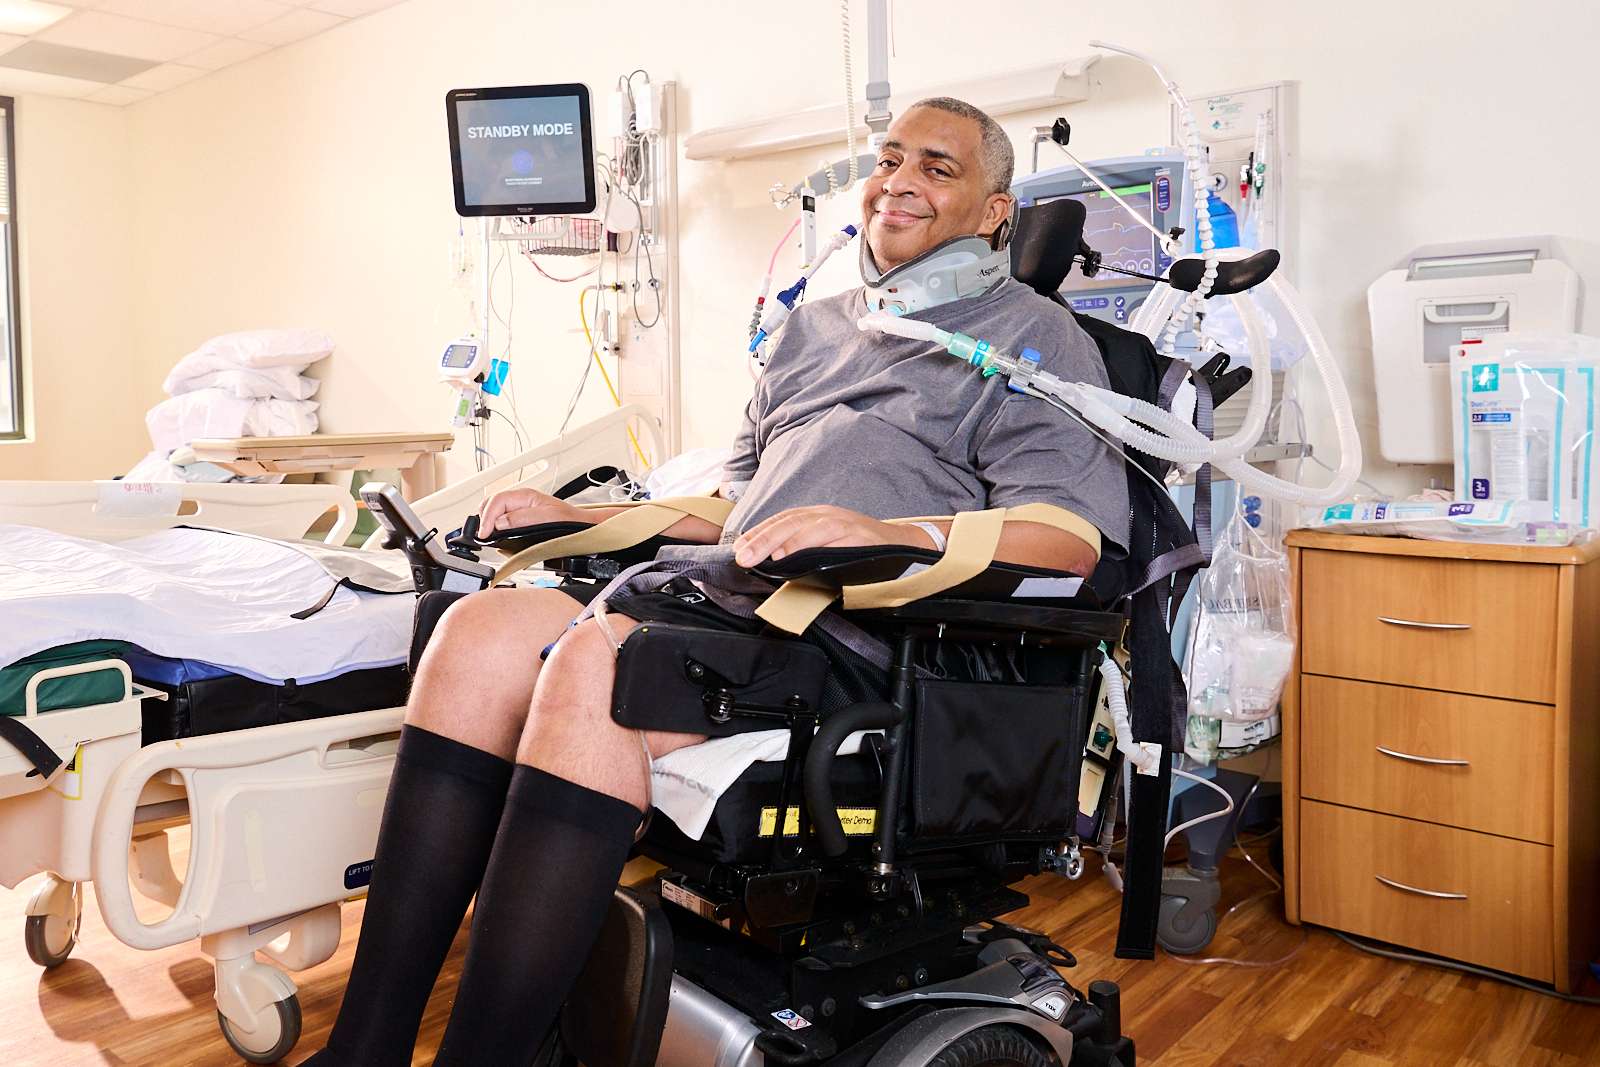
<point x="466" y="712"/>
<point x="580" y="787"/>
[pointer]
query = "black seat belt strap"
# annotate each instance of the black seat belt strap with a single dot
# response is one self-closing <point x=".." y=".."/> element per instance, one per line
<point x="30" y="744"/>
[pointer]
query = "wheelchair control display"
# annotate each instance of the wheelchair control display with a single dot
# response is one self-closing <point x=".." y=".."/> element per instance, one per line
<point x="432" y="567"/>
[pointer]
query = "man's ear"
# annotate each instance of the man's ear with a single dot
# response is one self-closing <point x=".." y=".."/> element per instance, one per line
<point x="996" y="215"/>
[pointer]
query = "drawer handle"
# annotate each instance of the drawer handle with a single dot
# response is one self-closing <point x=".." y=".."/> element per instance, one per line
<point x="1420" y="892"/>
<point x="1425" y="625"/>
<point x="1424" y="759"/>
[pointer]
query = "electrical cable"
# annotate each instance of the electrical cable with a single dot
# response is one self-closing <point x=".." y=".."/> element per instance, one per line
<point x="1209" y="816"/>
<point x="655" y="286"/>
<point x="610" y="388"/>
<point x="1464" y="968"/>
<point x="553" y="278"/>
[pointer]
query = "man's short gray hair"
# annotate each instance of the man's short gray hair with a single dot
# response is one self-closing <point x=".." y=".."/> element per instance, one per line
<point x="995" y="149"/>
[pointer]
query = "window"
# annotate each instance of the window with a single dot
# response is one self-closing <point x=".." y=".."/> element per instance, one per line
<point x="10" y="329"/>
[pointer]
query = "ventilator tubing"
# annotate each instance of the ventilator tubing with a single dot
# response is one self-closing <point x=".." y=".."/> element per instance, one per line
<point x="1151" y="315"/>
<point x="1161" y="433"/>
<point x="1147" y="760"/>
<point x="1195" y="162"/>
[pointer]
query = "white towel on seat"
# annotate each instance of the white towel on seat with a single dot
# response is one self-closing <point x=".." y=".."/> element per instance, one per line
<point x="686" y="784"/>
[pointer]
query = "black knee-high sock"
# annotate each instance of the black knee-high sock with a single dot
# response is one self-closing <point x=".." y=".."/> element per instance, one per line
<point x="439" y="824"/>
<point x="557" y="857"/>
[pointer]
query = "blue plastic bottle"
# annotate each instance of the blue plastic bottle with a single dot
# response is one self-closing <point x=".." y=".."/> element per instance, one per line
<point x="1224" y="223"/>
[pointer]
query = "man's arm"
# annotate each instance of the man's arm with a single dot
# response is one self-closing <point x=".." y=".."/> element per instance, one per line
<point x="516" y="508"/>
<point x="1029" y="544"/>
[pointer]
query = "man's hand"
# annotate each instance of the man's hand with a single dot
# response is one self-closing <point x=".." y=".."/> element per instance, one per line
<point x="822" y="526"/>
<point x="513" y="508"/>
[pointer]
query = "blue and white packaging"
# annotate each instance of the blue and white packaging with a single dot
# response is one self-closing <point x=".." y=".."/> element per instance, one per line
<point x="1503" y="522"/>
<point x="1523" y="414"/>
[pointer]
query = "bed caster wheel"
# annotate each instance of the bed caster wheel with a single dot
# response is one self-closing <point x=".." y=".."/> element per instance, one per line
<point x="1183" y="930"/>
<point x="277" y="1032"/>
<point x="53" y="917"/>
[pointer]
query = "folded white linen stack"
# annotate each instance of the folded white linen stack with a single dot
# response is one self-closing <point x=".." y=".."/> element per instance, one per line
<point x="248" y="384"/>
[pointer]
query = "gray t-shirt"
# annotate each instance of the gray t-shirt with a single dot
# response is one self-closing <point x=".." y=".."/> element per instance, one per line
<point x="892" y="427"/>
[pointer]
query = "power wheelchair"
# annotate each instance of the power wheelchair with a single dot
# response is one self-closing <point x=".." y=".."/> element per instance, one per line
<point x="846" y="909"/>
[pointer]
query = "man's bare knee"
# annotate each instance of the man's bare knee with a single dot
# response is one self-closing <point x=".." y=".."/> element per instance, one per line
<point x="477" y="675"/>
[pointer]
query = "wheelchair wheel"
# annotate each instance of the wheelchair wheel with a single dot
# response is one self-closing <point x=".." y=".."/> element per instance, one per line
<point x="279" y="1033"/>
<point x="992" y="1046"/>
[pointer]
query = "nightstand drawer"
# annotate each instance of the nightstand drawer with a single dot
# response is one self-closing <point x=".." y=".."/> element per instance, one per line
<point x="1469" y="896"/>
<point x="1441" y="757"/>
<point x="1459" y="625"/>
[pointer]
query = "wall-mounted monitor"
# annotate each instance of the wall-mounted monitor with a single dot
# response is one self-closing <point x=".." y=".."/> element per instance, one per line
<point x="522" y="150"/>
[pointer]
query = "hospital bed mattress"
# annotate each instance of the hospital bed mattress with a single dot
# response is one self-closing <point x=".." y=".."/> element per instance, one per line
<point x="73" y="691"/>
<point x="206" y="699"/>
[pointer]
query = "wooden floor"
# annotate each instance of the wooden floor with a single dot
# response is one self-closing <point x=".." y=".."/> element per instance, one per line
<point x="1329" y="1005"/>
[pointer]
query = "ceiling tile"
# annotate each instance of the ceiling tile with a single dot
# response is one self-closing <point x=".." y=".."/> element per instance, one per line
<point x="222" y="54"/>
<point x="226" y="17"/>
<point x="295" y="26"/>
<point x="350" y="8"/>
<point x="28" y="81"/>
<point x="103" y="32"/>
<point x="167" y="76"/>
<point x="9" y="41"/>
<point x="49" y="58"/>
<point x="119" y="95"/>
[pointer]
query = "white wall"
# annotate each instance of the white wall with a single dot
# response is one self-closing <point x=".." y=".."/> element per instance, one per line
<point x="311" y="186"/>
<point x="83" y="375"/>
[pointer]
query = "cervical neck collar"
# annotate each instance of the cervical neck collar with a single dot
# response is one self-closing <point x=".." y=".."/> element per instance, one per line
<point x="958" y="268"/>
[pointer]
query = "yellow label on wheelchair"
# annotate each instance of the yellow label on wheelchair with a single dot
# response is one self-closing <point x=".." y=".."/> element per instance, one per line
<point x="858" y="822"/>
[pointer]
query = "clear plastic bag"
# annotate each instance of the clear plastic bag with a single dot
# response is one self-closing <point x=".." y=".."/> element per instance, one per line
<point x="1242" y="645"/>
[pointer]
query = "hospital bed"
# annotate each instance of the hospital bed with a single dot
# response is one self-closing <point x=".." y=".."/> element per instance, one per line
<point x="283" y="819"/>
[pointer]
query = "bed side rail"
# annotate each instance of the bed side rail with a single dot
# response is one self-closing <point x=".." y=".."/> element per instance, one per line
<point x="603" y="442"/>
<point x="118" y="510"/>
<point x="283" y="819"/>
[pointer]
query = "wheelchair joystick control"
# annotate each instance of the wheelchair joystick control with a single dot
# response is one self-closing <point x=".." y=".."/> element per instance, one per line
<point x="432" y="567"/>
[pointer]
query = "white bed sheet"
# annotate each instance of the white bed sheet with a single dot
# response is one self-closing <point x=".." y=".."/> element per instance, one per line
<point x="194" y="594"/>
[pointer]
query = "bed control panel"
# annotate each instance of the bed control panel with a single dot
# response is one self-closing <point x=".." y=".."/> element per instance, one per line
<point x="432" y="565"/>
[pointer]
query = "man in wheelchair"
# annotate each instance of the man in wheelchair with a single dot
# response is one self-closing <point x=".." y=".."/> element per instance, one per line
<point x="524" y="768"/>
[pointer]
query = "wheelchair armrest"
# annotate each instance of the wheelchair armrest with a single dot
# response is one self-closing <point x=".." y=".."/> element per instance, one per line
<point x="519" y="538"/>
<point x="999" y="582"/>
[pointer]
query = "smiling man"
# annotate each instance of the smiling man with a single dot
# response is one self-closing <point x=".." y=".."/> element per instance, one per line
<point x="511" y="771"/>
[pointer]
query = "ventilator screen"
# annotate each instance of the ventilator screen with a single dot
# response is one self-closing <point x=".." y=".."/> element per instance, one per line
<point x="521" y="150"/>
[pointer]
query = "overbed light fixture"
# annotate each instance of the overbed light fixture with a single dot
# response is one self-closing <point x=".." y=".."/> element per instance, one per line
<point x="24" y="17"/>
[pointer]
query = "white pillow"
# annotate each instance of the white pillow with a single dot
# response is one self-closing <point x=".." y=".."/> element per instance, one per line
<point x="254" y="349"/>
<point x="280" y="383"/>
<point x="269" y="348"/>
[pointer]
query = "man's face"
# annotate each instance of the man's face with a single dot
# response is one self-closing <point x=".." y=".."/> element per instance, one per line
<point x="927" y="187"/>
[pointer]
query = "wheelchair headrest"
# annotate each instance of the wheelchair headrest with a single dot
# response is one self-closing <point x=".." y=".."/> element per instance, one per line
<point x="1046" y="239"/>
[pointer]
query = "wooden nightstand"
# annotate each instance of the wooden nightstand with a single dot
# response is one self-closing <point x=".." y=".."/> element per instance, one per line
<point x="1441" y="772"/>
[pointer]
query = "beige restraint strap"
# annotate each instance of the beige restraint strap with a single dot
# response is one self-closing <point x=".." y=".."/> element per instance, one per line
<point x="974" y="536"/>
<point x="637" y="522"/>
